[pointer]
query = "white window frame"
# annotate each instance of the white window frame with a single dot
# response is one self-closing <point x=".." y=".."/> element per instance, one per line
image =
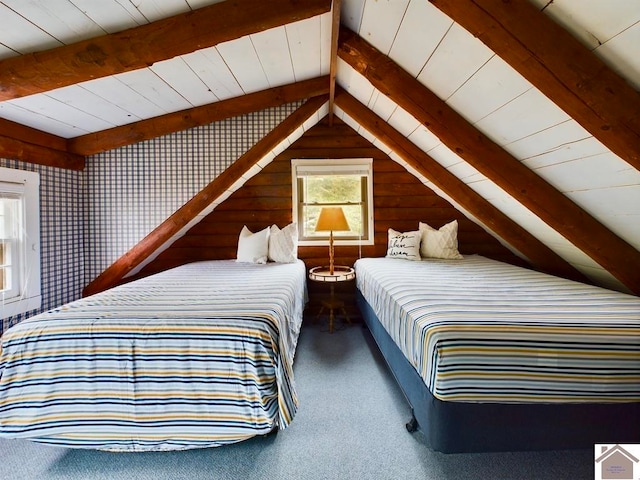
<point x="361" y="166"/>
<point x="25" y="185"/>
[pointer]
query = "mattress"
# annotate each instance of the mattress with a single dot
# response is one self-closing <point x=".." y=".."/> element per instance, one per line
<point x="478" y="330"/>
<point x="197" y="356"/>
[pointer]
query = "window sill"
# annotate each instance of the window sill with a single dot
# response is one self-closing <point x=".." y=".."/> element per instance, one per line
<point x="16" y="307"/>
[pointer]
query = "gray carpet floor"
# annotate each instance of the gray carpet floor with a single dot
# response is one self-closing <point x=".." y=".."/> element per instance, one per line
<point x="350" y="425"/>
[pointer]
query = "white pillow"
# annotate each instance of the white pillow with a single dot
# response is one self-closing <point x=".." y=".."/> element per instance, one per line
<point x="253" y="247"/>
<point x="442" y="243"/>
<point x="403" y="245"/>
<point x="283" y="244"/>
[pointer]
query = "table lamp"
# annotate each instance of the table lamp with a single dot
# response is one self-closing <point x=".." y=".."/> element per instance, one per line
<point x="330" y="219"/>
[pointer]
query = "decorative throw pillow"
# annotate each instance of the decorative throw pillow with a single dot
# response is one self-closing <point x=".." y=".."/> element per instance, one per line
<point x="253" y="247"/>
<point x="283" y="244"/>
<point x="442" y="243"/>
<point x="404" y="245"/>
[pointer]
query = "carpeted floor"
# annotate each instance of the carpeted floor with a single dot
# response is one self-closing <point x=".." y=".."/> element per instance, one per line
<point x="350" y="425"/>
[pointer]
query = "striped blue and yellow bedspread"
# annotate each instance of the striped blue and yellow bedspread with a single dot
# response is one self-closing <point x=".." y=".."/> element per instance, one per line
<point x="196" y="356"/>
<point x="478" y="330"/>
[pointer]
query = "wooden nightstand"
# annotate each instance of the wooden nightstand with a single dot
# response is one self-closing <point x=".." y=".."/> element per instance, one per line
<point x="340" y="274"/>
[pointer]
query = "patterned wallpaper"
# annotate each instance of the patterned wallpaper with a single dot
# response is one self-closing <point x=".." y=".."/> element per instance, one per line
<point x="62" y="194"/>
<point x="91" y="218"/>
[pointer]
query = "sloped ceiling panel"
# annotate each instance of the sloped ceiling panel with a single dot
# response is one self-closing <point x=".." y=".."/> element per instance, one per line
<point x="509" y="110"/>
<point x="613" y="34"/>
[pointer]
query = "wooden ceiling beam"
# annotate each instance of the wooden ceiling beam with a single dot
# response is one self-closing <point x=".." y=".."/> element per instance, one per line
<point x="556" y="63"/>
<point x="97" y="142"/>
<point x="19" y="142"/>
<point x="540" y="256"/>
<point x="142" y="46"/>
<point x="115" y="273"/>
<point x="552" y="207"/>
<point x="333" y="59"/>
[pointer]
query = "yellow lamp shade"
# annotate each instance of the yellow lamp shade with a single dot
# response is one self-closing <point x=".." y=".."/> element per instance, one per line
<point x="331" y="219"/>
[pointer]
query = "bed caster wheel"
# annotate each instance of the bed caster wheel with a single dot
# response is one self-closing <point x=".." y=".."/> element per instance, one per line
<point x="412" y="425"/>
<point x="271" y="433"/>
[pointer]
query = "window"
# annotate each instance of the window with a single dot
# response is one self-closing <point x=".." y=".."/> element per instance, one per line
<point x="19" y="241"/>
<point x="10" y="222"/>
<point x="343" y="183"/>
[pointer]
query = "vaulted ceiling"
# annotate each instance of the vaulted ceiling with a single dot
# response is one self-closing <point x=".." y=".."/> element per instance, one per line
<point x="524" y="114"/>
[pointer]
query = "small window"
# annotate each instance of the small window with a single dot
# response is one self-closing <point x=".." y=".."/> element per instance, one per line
<point x="19" y="241"/>
<point x="333" y="183"/>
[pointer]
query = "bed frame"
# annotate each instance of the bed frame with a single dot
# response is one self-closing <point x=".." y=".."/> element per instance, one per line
<point x="456" y="427"/>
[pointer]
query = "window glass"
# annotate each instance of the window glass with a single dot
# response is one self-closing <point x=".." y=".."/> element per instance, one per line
<point x="10" y="228"/>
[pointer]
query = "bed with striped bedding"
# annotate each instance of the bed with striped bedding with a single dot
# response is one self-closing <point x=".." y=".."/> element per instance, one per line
<point x="483" y="332"/>
<point x="197" y="356"/>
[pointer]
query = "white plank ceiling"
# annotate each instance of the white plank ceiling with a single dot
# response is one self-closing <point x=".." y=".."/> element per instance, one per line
<point x="440" y="54"/>
<point x="290" y="53"/>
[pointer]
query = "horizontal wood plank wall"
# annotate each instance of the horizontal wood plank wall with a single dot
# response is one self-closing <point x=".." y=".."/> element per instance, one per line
<point x="400" y="202"/>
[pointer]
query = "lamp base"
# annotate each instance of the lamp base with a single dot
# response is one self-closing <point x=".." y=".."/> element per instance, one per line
<point x="331" y="252"/>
